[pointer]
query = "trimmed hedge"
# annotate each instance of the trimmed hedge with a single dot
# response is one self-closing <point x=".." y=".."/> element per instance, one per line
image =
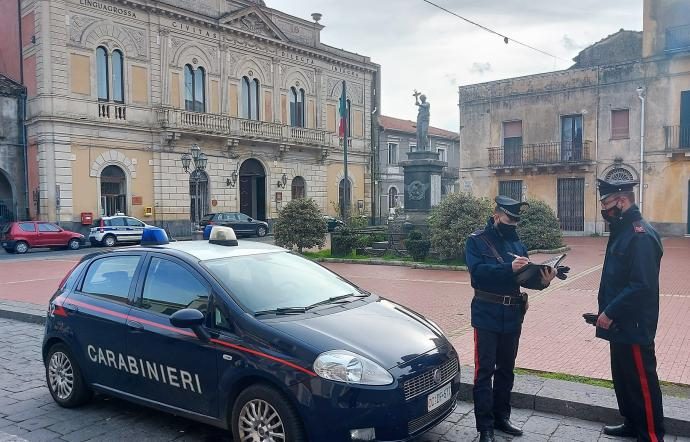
<point x="539" y="228"/>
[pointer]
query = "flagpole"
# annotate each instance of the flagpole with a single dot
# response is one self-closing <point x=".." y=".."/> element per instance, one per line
<point x="346" y="187"/>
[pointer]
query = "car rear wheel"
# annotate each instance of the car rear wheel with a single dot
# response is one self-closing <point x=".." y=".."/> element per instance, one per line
<point x="73" y="244"/>
<point x="109" y="241"/>
<point x="261" y="231"/>
<point x="21" y="247"/>
<point x="64" y="378"/>
<point x="263" y="413"/>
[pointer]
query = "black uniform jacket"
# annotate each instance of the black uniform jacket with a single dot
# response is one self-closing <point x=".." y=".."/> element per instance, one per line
<point x="629" y="290"/>
<point x="489" y="275"/>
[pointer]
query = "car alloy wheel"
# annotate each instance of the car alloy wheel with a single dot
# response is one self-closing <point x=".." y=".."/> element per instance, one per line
<point x="21" y="247"/>
<point x="109" y="241"/>
<point x="261" y="231"/>
<point x="259" y="421"/>
<point x="61" y="375"/>
<point x="73" y="244"/>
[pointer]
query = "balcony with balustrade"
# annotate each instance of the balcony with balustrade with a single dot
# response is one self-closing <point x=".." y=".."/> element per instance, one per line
<point x="238" y="129"/>
<point x="678" y="39"/>
<point x="552" y="156"/>
<point x="677" y="142"/>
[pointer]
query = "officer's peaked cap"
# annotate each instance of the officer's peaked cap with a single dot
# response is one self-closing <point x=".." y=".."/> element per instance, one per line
<point x="509" y="206"/>
<point x="608" y="188"/>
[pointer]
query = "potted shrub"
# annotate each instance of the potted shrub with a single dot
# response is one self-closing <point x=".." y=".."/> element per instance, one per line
<point x="417" y="246"/>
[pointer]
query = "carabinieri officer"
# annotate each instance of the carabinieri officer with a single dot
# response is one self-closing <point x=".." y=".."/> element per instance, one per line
<point x="629" y="312"/>
<point x="493" y="256"/>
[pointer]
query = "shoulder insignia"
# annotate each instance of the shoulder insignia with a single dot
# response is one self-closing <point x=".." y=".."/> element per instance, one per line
<point x="639" y="228"/>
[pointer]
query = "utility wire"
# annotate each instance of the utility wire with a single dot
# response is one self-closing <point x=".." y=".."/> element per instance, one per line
<point x="505" y="37"/>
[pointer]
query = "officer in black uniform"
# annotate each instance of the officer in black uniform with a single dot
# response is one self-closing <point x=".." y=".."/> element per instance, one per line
<point x="493" y="256"/>
<point x="629" y="312"/>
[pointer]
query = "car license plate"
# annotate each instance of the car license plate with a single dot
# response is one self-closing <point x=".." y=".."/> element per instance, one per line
<point x="439" y="397"/>
<point x="4" y="244"/>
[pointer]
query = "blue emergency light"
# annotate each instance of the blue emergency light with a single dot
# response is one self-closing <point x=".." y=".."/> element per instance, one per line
<point x="207" y="231"/>
<point x="154" y="236"/>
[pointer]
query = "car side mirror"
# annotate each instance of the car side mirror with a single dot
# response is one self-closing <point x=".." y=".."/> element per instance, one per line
<point x="193" y="319"/>
<point x="250" y="219"/>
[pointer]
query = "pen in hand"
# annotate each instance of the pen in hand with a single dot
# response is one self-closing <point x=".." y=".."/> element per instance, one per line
<point x="517" y="256"/>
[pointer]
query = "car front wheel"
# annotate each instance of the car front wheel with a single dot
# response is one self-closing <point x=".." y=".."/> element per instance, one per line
<point x="65" y="381"/>
<point x="261" y="231"/>
<point x="262" y="413"/>
<point x="109" y="241"/>
<point x="21" y="247"/>
<point x="73" y="244"/>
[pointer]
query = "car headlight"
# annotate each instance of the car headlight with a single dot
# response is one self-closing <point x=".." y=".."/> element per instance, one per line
<point x="345" y="366"/>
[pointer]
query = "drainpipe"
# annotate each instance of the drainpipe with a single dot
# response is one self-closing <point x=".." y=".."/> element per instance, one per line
<point x="641" y="95"/>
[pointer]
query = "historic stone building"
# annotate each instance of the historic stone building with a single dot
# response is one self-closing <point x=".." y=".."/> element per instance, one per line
<point x="395" y="139"/>
<point x="623" y="111"/>
<point x="13" y="190"/>
<point x="119" y="91"/>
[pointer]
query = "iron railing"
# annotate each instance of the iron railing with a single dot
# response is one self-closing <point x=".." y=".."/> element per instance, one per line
<point x="677" y="137"/>
<point x="224" y="125"/>
<point x="553" y="153"/>
<point x="678" y="39"/>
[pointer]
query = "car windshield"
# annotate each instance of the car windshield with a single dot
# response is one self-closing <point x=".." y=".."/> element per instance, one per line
<point x="271" y="281"/>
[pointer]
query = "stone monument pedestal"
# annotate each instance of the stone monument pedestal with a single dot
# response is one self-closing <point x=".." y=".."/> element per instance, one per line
<point x="422" y="171"/>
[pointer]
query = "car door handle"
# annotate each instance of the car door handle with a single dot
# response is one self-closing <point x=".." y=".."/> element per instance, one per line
<point x="135" y="326"/>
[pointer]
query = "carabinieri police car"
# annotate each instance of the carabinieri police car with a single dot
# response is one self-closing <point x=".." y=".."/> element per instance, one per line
<point x="247" y="337"/>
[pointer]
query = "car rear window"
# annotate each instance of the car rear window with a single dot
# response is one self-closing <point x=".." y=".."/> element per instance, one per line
<point x="208" y="217"/>
<point x="5" y="228"/>
<point x="27" y="227"/>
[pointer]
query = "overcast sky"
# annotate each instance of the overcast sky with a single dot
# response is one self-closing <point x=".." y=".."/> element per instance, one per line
<point x="421" y="47"/>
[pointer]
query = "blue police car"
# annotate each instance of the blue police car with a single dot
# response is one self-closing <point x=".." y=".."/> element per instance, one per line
<point x="247" y="337"/>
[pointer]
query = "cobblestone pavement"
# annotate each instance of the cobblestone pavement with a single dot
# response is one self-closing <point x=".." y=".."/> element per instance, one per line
<point x="28" y="413"/>
<point x="555" y="337"/>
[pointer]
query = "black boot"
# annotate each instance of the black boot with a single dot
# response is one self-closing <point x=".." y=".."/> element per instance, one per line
<point x="507" y="426"/>
<point x="486" y="436"/>
<point x="622" y="430"/>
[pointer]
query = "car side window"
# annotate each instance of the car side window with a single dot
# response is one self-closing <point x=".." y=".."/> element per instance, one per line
<point x="118" y="222"/>
<point x="27" y="227"/>
<point x="230" y="217"/>
<point x="134" y="222"/>
<point x="111" y="277"/>
<point x="242" y="217"/>
<point x="169" y="287"/>
<point x="44" y="227"/>
<point x="220" y="322"/>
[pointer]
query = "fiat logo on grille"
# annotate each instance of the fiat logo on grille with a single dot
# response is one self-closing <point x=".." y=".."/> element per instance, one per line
<point x="437" y="376"/>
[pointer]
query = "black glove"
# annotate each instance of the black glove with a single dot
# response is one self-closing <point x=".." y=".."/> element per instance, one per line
<point x="561" y="272"/>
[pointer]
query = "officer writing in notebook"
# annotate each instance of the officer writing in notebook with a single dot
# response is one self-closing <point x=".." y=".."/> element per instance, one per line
<point x="494" y="255"/>
<point x="629" y="312"/>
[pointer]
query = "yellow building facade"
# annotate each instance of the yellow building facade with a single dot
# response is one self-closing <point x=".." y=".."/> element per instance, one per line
<point x="621" y="112"/>
<point x="125" y="88"/>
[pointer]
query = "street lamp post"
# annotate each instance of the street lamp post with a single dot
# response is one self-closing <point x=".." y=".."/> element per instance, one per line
<point x="199" y="159"/>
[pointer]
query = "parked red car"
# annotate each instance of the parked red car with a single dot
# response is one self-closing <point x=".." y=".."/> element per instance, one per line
<point x="20" y="236"/>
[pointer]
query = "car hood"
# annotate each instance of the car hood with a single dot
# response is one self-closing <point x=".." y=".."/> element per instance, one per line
<point x="381" y="330"/>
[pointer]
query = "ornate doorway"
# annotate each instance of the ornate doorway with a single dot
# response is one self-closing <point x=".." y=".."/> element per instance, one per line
<point x="253" y="189"/>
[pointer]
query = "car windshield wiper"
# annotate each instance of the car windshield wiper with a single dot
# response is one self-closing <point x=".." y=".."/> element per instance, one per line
<point x="282" y="311"/>
<point x="338" y="299"/>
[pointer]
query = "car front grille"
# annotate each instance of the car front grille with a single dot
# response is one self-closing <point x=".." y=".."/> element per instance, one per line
<point x="417" y="424"/>
<point x="425" y="382"/>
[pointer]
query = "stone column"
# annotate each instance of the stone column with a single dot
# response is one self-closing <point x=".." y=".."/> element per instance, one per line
<point x="165" y="73"/>
<point x="422" y="184"/>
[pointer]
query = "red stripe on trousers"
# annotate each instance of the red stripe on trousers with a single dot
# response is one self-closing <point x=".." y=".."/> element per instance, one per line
<point x="637" y="354"/>
<point x="476" y="356"/>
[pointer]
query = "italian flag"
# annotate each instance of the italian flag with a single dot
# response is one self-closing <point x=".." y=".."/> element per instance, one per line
<point x="343" y="113"/>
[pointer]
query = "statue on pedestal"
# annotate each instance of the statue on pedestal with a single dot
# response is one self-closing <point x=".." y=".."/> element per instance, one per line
<point x="422" y="120"/>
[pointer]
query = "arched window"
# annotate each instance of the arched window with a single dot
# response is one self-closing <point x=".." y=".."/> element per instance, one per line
<point x="298" y="188"/>
<point x="297" y="113"/>
<point x="392" y="197"/>
<point x="118" y="77"/>
<point x="619" y="174"/>
<point x="250" y="98"/>
<point x="194" y="89"/>
<point x="344" y="199"/>
<point x="102" y="74"/>
<point x="113" y="191"/>
<point x="198" y="195"/>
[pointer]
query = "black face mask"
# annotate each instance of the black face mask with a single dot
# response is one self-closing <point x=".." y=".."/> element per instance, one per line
<point x="506" y="230"/>
<point x="612" y="215"/>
